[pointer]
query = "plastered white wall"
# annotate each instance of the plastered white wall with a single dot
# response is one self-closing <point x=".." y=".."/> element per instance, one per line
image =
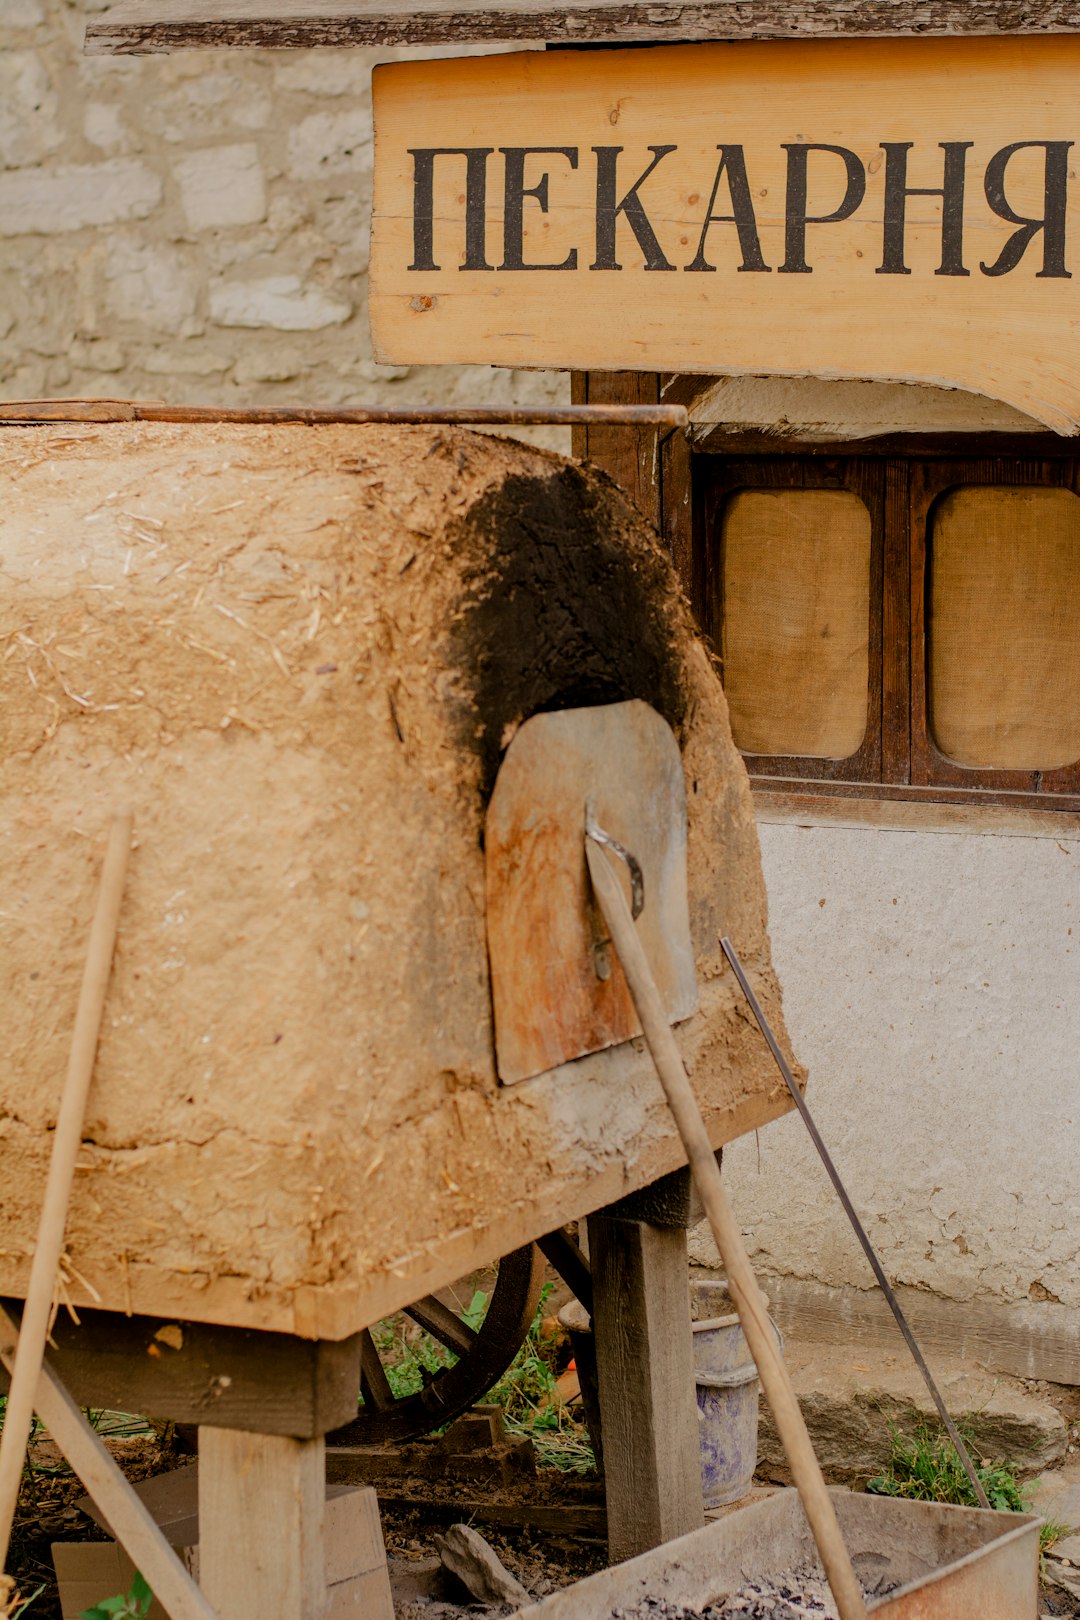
<point x="930" y="986"/>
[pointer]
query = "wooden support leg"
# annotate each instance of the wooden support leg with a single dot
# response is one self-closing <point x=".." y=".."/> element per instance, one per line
<point x="648" y="1408"/>
<point x="261" y="1502"/>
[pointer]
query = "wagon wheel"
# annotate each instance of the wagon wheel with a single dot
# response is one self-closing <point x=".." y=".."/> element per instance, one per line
<point x="483" y="1354"/>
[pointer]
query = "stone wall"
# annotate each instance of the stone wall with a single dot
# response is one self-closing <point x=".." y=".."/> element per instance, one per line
<point x="195" y="228"/>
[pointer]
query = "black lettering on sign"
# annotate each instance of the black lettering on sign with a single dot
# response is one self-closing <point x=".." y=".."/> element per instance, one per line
<point x="611" y="207"/>
<point x="475" y="204"/>
<point x="795" y="216"/>
<point x="951" y="192"/>
<point x="1052" y="220"/>
<point x="514" y="196"/>
<point x="608" y="211"/>
<point x="733" y="163"/>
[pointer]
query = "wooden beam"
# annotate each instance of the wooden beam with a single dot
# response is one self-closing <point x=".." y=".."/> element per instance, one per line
<point x="645" y="1366"/>
<point x="137" y="26"/>
<point x="190" y="1372"/>
<point x="261" y="1506"/>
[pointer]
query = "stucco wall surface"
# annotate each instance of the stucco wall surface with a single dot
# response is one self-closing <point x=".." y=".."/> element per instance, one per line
<point x="930" y="986"/>
<point x="195" y="227"/>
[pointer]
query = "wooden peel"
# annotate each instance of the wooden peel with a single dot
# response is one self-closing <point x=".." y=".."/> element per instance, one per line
<point x="554" y="994"/>
<point x="50" y="1242"/>
<point x="749" y="1300"/>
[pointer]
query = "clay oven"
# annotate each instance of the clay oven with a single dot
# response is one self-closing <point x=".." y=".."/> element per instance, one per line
<point x="300" y="654"/>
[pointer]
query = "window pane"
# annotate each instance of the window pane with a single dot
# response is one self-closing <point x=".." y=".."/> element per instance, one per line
<point x="1004" y="627"/>
<point x="795" y="643"/>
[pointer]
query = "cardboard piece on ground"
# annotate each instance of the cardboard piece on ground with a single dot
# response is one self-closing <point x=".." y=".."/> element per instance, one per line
<point x="356" y="1575"/>
<point x="546" y="940"/>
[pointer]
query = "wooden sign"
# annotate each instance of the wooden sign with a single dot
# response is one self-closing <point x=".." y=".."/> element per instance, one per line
<point x="901" y="209"/>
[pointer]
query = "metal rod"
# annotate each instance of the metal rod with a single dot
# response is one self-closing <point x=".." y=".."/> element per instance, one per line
<point x="749" y="1300"/>
<point x="26" y="413"/>
<point x="857" y="1226"/>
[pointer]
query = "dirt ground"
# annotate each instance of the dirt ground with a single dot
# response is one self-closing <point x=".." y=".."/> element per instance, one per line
<point x="543" y="1561"/>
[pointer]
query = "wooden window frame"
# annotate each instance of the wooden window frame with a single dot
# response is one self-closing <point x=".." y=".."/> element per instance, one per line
<point x="863" y="481"/>
<point x="899" y="484"/>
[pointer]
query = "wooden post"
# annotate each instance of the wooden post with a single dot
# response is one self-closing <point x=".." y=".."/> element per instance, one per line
<point x="261" y="1502"/>
<point x="631" y="458"/>
<point x="648" y="1408"/>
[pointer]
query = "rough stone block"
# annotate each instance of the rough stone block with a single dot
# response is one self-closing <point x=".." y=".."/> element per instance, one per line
<point x="150" y="284"/>
<point x="48" y="202"/>
<point x="850" y="1394"/>
<point x="103" y="124"/>
<point x="98" y="354"/>
<point x="183" y="363"/>
<point x="327" y="142"/>
<point x="29" y="130"/>
<point x="1057" y="1496"/>
<point x="23" y="13"/>
<point x="268" y="366"/>
<point x="222" y="186"/>
<point x="325" y="73"/>
<point x="204" y="103"/>
<point x="278" y="301"/>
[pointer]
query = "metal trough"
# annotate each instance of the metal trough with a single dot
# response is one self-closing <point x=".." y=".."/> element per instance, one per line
<point x="952" y="1563"/>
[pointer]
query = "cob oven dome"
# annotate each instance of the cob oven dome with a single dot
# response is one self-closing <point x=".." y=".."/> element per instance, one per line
<point x="298" y="654"/>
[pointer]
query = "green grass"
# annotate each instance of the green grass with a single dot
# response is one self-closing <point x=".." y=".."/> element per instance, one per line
<point x="1052" y="1531"/>
<point x="926" y="1467"/>
<point x="110" y="1425"/>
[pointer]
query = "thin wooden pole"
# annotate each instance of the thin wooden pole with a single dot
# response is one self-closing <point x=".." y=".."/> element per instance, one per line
<point x="749" y="1300"/>
<point x="69" y="1124"/>
<point x="129" y="1518"/>
<point x="28" y="413"/>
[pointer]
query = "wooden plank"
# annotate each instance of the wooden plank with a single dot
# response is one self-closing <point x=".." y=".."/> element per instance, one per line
<point x="918" y="810"/>
<point x="644" y="1359"/>
<point x="150" y="25"/>
<point x="271" y="1383"/>
<point x="579" y="395"/>
<point x="583" y="1520"/>
<point x="896" y="628"/>
<point x="931" y="793"/>
<point x="632" y="459"/>
<point x="261" y="1509"/>
<point x="676" y="506"/>
<point x="623" y="241"/>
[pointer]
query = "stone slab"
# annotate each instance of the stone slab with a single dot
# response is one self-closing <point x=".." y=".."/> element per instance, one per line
<point x="849" y="1397"/>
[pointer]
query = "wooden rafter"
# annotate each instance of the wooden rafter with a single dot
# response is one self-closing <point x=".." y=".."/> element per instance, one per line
<point x="143" y="26"/>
